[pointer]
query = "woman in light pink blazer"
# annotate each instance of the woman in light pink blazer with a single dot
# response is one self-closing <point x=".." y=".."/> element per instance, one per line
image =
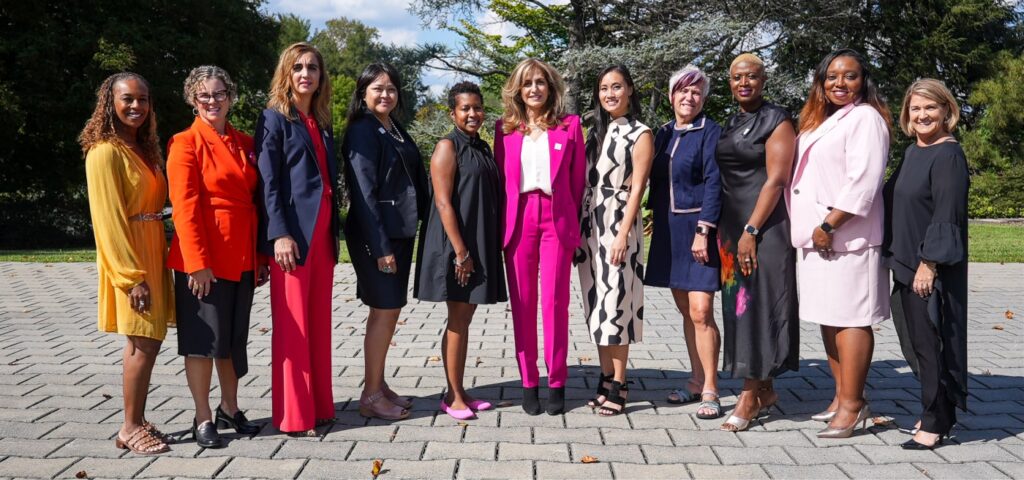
<point x="540" y="151"/>
<point x="836" y="209"/>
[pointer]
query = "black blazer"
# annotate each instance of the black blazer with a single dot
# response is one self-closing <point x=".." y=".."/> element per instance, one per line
<point x="290" y="185"/>
<point x="388" y="189"/>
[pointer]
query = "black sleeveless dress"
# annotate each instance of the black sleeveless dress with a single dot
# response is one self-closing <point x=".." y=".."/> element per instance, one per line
<point x="475" y="198"/>
<point x="760" y="312"/>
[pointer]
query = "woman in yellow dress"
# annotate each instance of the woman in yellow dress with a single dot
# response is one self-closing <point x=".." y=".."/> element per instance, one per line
<point x="127" y="191"/>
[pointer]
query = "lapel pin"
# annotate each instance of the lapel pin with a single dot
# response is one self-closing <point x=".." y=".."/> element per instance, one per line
<point x="381" y="130"/>
<point x="558" y="146"/>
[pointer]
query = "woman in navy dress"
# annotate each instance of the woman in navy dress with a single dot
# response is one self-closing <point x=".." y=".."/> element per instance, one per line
<point x="684" y="196"/>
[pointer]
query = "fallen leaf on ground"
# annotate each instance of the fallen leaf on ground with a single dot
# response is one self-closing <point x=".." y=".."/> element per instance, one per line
<point x="394" y="343"/>
<point x="997" y="327"/>
<point x="506" y="403"/>
<point x="882" y="421"/>
<point x="584" y="359"/>
<point x="1009" y="315"/>
<point x="264" y="329"/>
<point x="878" y="329"/>
<point x="81" y="474"/>
<point x="434" y="358"/>
<point x="986" y="373"/>
<point x="478" y="361"/>
<point x="376" y="467"/>
<point x="401" y="322"/>
<point x="588" y="459"/>
<point x="463" y="424"/>
<point x="107" y="396"/>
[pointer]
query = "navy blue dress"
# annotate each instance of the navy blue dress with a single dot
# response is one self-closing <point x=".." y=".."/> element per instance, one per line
<point x="685" y="189"/>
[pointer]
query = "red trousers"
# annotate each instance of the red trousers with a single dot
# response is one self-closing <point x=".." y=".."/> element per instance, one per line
<point x="300" y="305"/>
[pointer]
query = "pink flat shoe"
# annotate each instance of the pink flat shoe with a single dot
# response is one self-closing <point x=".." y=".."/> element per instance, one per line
<point x="464" y="414"/>
<point x="480" y="405"/>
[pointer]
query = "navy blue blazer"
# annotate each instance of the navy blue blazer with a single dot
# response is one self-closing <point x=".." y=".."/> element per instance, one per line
<point x="387" y="184"/>
<point x="290" y="184"/>
<point x="696" y="184"/>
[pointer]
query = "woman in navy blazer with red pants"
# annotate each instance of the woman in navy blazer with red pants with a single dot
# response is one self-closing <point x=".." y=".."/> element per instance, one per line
<point x="299" y="227"/>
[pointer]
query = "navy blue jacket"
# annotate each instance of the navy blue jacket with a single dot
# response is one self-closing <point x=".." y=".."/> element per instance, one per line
<point x="696" y="184"/>
<point x="290" y="183"/>
<point x="388" y="190"/>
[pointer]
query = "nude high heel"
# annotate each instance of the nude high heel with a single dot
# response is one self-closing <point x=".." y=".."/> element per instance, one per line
<point x="862" y="419"/>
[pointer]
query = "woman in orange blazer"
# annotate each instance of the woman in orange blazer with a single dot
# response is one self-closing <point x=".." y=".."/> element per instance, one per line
<point x="212" y="180"/>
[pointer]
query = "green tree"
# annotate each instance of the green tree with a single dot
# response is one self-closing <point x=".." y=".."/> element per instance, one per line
<point x="53" y="55"/>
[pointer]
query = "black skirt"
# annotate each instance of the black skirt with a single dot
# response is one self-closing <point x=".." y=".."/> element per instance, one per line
<point x="375" y="288"/>
<point x="218" y="325"/>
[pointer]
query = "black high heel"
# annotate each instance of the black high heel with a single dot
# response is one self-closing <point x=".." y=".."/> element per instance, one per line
<point x="915" y="445"/>
<point x="601" y="390"/>
<point x="206" y="435"/>
<point x="616" y="399"/>
<point x="238" y="422"/>
<point x="531" y="401"/>
<point x="556" y="400"/>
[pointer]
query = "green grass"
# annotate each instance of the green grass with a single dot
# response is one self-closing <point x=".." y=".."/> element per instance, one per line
<point x="988" y="244"/>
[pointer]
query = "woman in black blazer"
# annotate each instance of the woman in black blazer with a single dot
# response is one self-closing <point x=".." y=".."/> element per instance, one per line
<point x="299" y="228"/>
<point x="388" y="188"/>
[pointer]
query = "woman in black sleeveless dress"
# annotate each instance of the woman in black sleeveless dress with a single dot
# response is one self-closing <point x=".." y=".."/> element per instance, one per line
<point x="759" y="303"/>
<point x="459" y="258"/>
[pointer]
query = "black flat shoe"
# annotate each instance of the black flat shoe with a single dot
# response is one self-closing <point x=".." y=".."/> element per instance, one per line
<point x="206" y="435"/>
<point x="915" y="445"/>
<point x="531" y="402"/>
<point x="556" y="401"/>
<point x="238" y="422"/>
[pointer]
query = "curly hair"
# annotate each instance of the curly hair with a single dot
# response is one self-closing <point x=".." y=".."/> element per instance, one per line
<point x="459" y="89"/>
<point x="102" y="125"/>
<point x="203" y="73"/>
<point x="515" y="116"/>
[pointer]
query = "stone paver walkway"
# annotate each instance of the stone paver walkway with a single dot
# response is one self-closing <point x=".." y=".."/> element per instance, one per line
<point x="60" y="401"/>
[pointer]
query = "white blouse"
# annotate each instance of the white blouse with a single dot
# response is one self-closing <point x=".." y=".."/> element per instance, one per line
<point x="535" y="161"/>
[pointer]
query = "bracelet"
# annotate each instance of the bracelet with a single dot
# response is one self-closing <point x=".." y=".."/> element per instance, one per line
<point x="457" y="262"/>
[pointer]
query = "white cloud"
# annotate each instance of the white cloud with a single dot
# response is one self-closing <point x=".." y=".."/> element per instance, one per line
<point x="399" y="36"/>
<point x="369" y="11"/>
<point x="490" y="23"/>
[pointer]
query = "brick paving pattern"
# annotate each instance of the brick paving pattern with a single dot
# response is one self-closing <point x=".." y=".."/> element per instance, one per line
<point x="60" y="401"/>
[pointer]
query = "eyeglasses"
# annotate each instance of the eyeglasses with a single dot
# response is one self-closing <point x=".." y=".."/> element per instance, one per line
<point x="218" y="96"/>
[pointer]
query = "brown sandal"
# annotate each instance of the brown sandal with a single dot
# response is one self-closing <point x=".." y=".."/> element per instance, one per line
<point x="401" y="401"/>
<point x="163" y="437"/>
<point x="142" y="442"/>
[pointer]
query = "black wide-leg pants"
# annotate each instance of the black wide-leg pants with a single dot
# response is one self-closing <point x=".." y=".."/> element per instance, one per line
<point x="938" y="407"/>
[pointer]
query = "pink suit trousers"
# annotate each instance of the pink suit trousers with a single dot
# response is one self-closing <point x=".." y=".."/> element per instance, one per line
<point x="300" y="305"/>
<point x="533" y="246"/>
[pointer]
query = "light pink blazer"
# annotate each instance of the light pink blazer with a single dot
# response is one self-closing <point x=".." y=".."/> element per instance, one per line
<point x="568" y="177"/>
<point x="841" y="164"/>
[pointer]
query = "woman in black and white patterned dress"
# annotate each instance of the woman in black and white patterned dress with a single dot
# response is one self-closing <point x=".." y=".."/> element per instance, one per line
<point x="611" y="266"/>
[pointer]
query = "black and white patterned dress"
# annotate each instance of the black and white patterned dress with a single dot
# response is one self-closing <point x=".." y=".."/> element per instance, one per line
<point x="613" y="297"/>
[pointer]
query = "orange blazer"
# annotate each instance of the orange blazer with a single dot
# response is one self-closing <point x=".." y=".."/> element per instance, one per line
<point x="212" y="186"/>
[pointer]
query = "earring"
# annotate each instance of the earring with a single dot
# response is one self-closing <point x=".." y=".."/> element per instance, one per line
<point x="195" y="112"/>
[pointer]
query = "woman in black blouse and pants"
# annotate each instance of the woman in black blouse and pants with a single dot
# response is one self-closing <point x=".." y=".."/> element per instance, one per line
<point x="926" y="248"/>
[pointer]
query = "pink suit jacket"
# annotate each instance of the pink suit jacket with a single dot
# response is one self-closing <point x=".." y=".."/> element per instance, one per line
<point x="568" y="176"/>
<point x="842" y="164"/>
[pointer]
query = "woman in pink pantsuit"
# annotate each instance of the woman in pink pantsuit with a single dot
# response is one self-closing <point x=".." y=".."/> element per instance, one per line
<point x="299" y="228"/>
<point x="836" y="213"/>
<point x="540" y="151"/>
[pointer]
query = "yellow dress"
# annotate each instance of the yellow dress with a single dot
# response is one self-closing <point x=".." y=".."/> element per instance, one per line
<point x="121" y="186"/>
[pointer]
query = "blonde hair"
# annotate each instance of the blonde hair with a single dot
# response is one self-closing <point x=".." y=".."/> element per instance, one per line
<point x="514" y="116"/>
<point x="203" y="73"/>
<point x="281" y="85"/>
<point x="747" y="57"/>
<point x="935" y="91"/>
<point x="102" y="125"/>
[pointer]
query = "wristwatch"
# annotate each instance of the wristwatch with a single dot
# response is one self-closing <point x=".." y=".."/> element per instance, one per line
<point x="827" y="227"/>
<point x="751" y="229"/>
<point x="703" y="229"/>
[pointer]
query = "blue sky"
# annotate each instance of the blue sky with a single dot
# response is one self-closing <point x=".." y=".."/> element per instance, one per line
<point x="390" y="17"/>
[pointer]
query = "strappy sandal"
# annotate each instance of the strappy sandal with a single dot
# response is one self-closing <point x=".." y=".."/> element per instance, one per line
<point x="602" y="391"/>
<point x="738" y="424"/>
<point x="370" y="407"/>
<point x="682" y="396"/>
<point x="395" y="398"/>
<point x="141" y="442"/>
<point x="714" y="405"/>
<point x="164" y="437"/>
<point x="616" y="399"/>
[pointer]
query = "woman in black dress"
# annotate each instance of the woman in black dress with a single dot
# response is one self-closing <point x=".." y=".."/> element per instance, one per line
<point x="459" y="258"/>
<point x="926" y="249"/>
<point x="759" y="304"/>
<point x="388" y="189"/>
